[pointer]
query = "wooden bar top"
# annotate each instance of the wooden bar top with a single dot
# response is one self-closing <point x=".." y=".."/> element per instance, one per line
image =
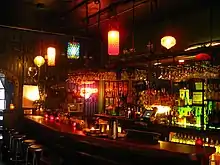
<point x="166" y="147"/>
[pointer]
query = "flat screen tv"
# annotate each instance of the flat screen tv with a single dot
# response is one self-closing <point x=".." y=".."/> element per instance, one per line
<point x="73" y="50"/>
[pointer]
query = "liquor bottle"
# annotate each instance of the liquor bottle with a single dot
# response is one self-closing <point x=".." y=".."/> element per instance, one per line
<point x="181" y="138"/>
<point x="217" y="147"/>
<point x="177" y="138"/>
<point x="185" y="100"/>
<point x="212" y="143"/>
<point x="181" y="101"/>
<point x="184" y="139"/>
<point x="174" y="138"/>
<point x="192" y="140"/>
<point x="206" y="142"/>
<point x="188" y="140"/>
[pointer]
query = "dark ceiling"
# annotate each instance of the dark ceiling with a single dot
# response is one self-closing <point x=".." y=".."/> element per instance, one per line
<point x="70" y="16"/>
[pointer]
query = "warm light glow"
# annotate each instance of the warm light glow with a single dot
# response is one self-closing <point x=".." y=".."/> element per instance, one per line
<point x="39" y="61"/>
<point x="11" y="106"/>
<point x="168" y="42"/>
<point x="87" y="82"/>
<point x="202" y="46"/>
<point x="31" y="92"/>
<point x="181" y="61"/>
<point x="113" y="42"/>
<point x="87" y="92"/>
<point x="162" y="109"/>
<point x="119" y="130"/>
<point x="51" y="56"/>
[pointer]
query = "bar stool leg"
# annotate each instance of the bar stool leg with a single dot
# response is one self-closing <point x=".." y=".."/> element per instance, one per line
<point x="34" y="159"/>
<point x="16" y="152"/>
<point x="26" y="159"/>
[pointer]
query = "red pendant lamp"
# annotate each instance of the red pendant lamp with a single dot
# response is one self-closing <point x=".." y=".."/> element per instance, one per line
<point x="203" y="57"/>
<point x="113" y="42"/>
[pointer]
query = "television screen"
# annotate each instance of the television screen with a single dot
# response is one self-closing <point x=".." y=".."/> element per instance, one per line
<point x="73" y="50"/>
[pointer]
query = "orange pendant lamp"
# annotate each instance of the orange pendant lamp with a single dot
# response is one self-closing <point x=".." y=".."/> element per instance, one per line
<point x="51" y="56"/>
<point x="113" y="42"/>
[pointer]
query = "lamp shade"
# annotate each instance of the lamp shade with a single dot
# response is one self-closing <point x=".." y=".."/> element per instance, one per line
<point x="51" y="56"/>
<point x="203" y="56"/>
<point x="39" y="61"/>
<point x="113" y="42"/>
<point x="168" y="42"/>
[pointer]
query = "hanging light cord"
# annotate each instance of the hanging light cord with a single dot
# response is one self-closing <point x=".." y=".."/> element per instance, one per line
<point x="133" y="24"/>
<point x="87" y="19"/>
<point x="99" y="16"/>
<point x="211" y="21"/>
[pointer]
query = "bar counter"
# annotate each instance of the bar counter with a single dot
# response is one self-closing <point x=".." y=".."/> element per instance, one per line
<point x="160" y="150"/>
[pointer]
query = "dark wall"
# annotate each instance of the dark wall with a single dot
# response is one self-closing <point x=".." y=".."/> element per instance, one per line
<point x="18" y="46"/>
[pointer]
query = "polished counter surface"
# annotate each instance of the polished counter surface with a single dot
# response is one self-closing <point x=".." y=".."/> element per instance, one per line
<point x="172" y="148"/>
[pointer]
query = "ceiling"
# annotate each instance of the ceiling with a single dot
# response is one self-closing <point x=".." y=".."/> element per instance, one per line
<point x="70" y="16"/>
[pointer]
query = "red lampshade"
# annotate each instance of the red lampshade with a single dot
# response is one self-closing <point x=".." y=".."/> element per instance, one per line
<point x="203" y="57"/>
<point x="113" y="42"/>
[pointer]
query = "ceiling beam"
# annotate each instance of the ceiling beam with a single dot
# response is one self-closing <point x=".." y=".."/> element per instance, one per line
<point x="41" y="31"/>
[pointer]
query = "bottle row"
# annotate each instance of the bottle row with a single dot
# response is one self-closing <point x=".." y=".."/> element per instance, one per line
<point x="193" y="140"/>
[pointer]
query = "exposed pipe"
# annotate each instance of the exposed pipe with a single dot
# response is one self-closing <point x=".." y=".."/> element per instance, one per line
<point x="74" y="8"/>
<point x="133" y="25"/>
<point x="173" y="59"/>
<point x="109" y="7"/>
<point x="40" y="31"/>
<point x="120" y="13"/>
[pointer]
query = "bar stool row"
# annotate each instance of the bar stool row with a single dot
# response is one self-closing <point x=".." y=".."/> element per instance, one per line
<point x="20" y="149"/>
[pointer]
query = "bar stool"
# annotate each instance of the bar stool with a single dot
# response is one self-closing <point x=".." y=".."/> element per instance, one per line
<point x="7" y="140"/>
<point x="26" y="144"/>
<point x="11" y="135"/>
<point x="17" y="151"/>
<point x="36" y="151"/>
<point x="7" y="133"/>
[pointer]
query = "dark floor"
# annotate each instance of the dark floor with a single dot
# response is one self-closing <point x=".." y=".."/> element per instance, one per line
<point x="1" y="163"/>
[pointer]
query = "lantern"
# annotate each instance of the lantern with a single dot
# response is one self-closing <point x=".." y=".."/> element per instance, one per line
<point x="39" y="61"/>
<point x="113" y="42"/>
<point x="11" y="106"/>
<point x="51" y="56"/>
<point x="168" y="42"/>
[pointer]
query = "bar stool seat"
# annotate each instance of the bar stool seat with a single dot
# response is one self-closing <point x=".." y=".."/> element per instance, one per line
<point x="35" y="146"/>
<point x="29" y="141"/>
<point x="36" y="151"/>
